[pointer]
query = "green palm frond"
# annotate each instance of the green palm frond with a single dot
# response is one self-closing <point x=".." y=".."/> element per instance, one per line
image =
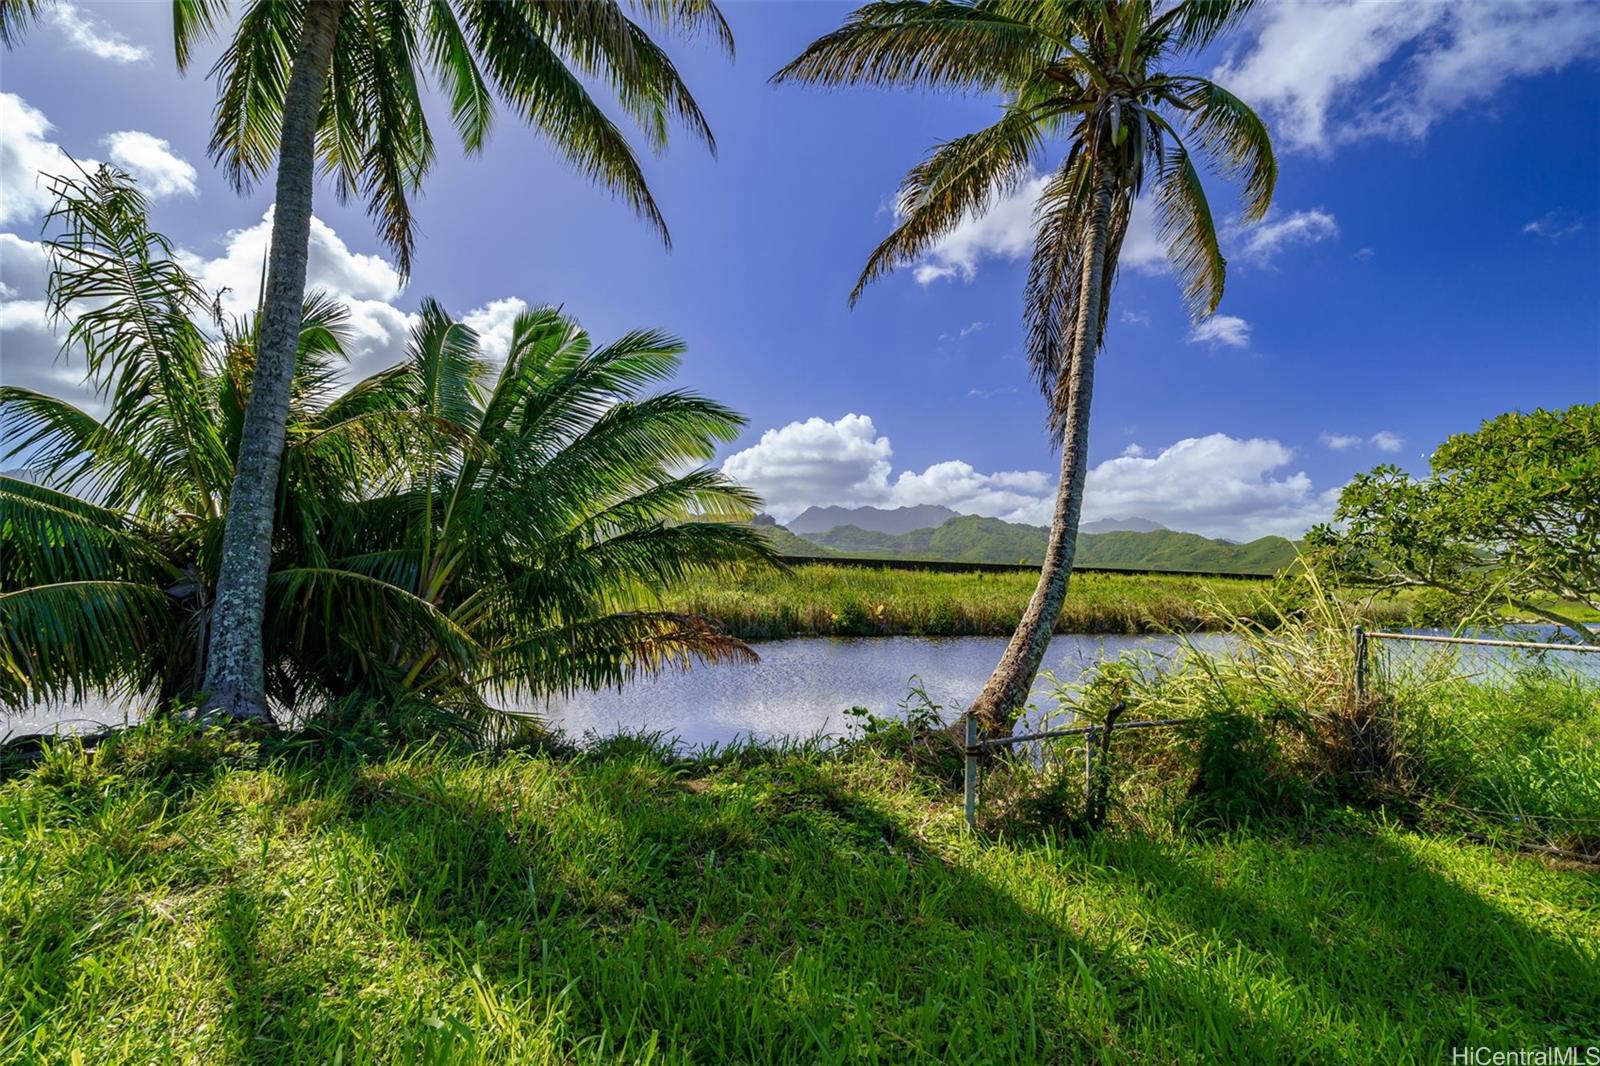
<point x="1235" y="137"/>
<point x="15" y="18"/>
<point x="48" y="536"/>
<point x="960" y="179"/>
<point x="68" y="640"/>
<point x="1190" y="234"/>
<point x="193" y="21"/>
<point x="914" y="43"/>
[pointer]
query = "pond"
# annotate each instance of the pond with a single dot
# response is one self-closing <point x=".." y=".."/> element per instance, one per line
<point x="800" y="688"/>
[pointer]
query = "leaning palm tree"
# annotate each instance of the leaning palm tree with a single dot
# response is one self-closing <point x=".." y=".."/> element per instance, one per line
<point x="339" y="84"/>
<point x="452" y="530"/>
<point x="1092" y="79"/>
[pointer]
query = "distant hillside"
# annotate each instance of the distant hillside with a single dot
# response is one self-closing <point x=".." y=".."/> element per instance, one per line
<point x="1120" y="525"/>
<point x="785" y="542"/>
<point x="974" y="539"/>
<point x="873" y="519"/>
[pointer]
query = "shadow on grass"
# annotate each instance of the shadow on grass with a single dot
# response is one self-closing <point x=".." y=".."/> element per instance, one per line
<point x="444" y="909"/>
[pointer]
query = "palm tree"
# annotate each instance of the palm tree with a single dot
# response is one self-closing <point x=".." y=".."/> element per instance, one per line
<point x="1094" y="81"/>
<point x="339" y="83"/>
<point x="451" y="529"/>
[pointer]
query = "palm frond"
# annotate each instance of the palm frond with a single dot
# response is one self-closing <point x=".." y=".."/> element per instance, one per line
<point x="193" y="21"/>
<point x="69" y="640"/>
<point x="915" y="43"/>
<point x="1234" y="136"/>
<point x="960" y="179"/>
<point x="1190" y="234"/>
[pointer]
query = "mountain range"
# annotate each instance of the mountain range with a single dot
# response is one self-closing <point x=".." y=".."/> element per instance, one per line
<point x="1114" y="543"/>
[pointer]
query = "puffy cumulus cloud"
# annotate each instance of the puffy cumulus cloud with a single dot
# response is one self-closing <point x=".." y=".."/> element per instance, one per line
<point x="30" y="343"/>
<point x="28" y="157"/>
<point x="955" y="484"/>
<point x="86" y="34"/>
<point x="1327" y="72"/>
<point x="366" y="284"/>
<point x="816" y="462"/>
<point x="152" y="162"/>
<point x="1216" y="485"/>
<point x="493" y="322"/>
<point x="1229" y="330"/>
<point x="26" y="154"/>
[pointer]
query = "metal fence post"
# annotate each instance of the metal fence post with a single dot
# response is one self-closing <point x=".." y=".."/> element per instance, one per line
<point x="1360" y="635"/>
<point x="972" y="772"/>
<point x="1088" y="770"/>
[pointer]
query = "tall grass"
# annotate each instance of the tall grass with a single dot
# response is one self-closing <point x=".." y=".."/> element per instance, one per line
<point x="1442" y="737"/>
<point x="821" y="600"/>
<point x="173" y="902"/>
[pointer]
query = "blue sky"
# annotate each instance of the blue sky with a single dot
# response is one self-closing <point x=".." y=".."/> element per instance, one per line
<point x="1433" y="259"/>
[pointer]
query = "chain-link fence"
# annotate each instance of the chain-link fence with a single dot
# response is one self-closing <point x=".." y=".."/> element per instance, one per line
<point x="1495" y="734"/>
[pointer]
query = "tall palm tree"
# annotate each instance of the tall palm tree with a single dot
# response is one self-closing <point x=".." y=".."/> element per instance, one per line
<point x="451" y="529"/>
<point x="339" y="83"/>
<point x="1092" y="80"/>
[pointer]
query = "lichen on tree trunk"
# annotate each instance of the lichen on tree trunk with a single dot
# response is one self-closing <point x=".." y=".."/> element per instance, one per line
<point x="235" y="670"/>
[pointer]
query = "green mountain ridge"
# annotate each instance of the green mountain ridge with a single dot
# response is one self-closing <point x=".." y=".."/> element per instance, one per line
<point x="975" y="539"/>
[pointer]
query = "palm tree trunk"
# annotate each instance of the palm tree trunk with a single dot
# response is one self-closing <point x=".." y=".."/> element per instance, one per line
<point x="1006" y="691"/>
<point x="235" y="673"/>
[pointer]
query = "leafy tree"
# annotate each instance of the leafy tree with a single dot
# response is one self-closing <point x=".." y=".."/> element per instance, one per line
<point x="451" y="528"/>
<point x="1094" y="79"/>
<point x="1508" y="518"/>
<point x="339" y="84"/>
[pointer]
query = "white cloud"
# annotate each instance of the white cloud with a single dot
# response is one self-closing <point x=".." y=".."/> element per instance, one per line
<point x="26" y="154"/>
<point x="493" y="323"/>
<point x="1331" y="72"/>
<point x="366" y="284"/>
<point x="1216" y="485"/>
<point x="1554" y="225"/>
<point x="1133" y="450"/>
<point x="1229" y="330"/>
<point x="968" y="331"/>
<point x="1136" y="318"/>
<point x="159" y="171"/>
<point x="1386" y="441"/>
<point x="1005" y="231"/>
<point x="816" y="462"/>
<point x="85" y="34"/>
<point x="1260" y="243"/>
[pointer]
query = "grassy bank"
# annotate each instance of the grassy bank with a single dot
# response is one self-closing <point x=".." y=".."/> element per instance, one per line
<point x="820" y="600"/>
<point x="434" y="906"/>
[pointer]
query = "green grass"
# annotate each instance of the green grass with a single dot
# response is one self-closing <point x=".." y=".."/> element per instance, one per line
<point x="444" y="907"/>
<point x="822" y="600"/>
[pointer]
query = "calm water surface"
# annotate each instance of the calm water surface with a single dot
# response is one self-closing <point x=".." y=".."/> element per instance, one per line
<point x="799" y="689"/>
<point x="802" y="688"/>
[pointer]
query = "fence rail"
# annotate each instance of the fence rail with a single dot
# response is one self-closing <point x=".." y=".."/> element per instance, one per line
<point x="976" y="747"/>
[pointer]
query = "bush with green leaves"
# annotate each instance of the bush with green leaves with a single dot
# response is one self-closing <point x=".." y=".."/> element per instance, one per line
<point x="452" y="529"/>
<point x="1507" y="521"/>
